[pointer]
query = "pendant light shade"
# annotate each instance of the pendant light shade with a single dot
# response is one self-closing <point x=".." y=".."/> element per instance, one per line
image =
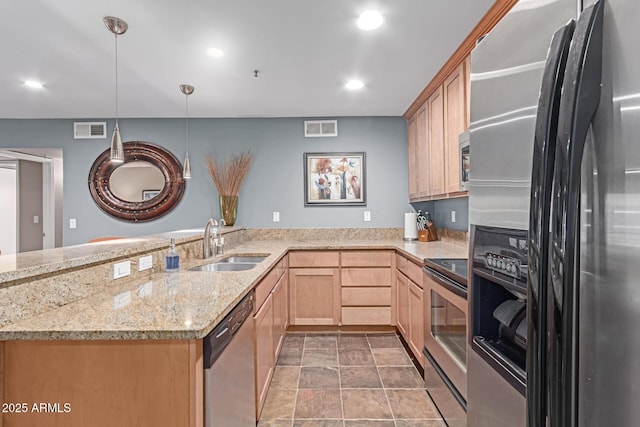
<point x="186" y="171"/>
<point x="118" y="27"/>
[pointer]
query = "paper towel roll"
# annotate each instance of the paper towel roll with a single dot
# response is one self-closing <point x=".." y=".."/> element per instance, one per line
<point x="410" y="229"/>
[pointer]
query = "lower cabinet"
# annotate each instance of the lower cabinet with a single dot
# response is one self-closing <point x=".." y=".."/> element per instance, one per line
<point x="280" y="295"/>
<point x="410" y="310"/>
<point x="265" y="357"/>
<point x="315" y="296"/>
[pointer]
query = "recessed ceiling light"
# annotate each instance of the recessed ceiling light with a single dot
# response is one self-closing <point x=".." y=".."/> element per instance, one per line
<point x="370" y="20"/>
<point x="215" y="52"/>
<point x="33" y="84"/>
<point x="354" y="85"/>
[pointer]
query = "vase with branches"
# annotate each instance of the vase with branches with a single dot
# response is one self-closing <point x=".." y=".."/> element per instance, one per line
<point x="228" y="179"/>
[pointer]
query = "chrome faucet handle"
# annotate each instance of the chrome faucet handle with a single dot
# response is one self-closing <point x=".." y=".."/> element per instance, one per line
<point x="222" y="222"/>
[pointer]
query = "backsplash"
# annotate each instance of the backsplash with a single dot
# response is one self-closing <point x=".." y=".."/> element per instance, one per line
<point x="325" y="233"/>
<point x="440" y="211"/>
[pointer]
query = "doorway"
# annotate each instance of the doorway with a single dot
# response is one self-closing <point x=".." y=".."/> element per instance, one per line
<point x="9" y="211"/>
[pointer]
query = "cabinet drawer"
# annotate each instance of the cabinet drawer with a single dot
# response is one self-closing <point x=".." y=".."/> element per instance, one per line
<point x="414" y="272"/>
<point x="366" y="296"/>
<point x="401" y="264"/>
<point x="314" y="259"/>
<point x="367" y="258"/>
<point x="366" y="315"/>
<point x="366" y="277"/>
<point x="264" y="288"/>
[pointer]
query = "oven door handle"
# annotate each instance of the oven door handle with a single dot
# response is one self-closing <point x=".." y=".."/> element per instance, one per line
<point x="447" y="283"/>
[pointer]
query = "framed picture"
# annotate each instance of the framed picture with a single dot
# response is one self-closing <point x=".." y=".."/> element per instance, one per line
<point x="149" y="194"/>
<point x="335" y="179"/>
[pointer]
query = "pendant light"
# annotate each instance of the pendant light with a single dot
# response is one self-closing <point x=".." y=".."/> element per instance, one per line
<point x="118" y="27"/>
<point x="186" y="171"/>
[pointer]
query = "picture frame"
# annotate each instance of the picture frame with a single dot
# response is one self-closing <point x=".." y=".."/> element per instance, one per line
<point x="149" y="194"/>
<point x="335" y="179"/>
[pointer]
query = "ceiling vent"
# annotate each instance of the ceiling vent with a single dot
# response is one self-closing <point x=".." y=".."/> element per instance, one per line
<point x="89" y="130"/>
<point x="320" y="128"/>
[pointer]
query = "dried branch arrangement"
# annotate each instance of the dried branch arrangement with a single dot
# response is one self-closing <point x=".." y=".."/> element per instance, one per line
<point x="228" y="178"/>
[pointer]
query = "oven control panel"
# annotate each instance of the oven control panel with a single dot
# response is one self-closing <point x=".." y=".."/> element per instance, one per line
<point x="503" y="264"/>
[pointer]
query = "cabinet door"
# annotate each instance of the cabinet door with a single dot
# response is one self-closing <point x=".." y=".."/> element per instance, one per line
<point x="264" y="351"/>
<point x="315" y="296"/>
<point x="279" y="314"/>
<point x="402" y="305"/>
<point x="416" y="321"/>
<point x="413" y="170"/>
<point x="423" y="157"/>
<point x="436" y="142"/>
<point x="455" y="119"/>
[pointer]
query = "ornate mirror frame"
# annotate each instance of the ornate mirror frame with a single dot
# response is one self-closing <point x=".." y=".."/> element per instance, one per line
<point x="147" y="210"/>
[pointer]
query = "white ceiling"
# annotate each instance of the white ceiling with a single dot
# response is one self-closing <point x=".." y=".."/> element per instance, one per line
<point x="305" y="51"/>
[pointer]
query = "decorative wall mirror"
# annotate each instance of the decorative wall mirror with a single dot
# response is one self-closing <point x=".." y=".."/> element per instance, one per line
<point x="147" y="186"/>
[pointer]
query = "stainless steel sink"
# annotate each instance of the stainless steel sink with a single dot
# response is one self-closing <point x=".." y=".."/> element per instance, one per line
<point x="225" y="266"/>
<point x="243" y="258"/>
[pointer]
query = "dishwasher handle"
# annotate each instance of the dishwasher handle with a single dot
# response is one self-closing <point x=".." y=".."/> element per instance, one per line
<point x="220" y="337"/>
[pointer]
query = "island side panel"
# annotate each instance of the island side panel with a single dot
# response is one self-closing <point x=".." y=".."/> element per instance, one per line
<point x="104" y="383"/>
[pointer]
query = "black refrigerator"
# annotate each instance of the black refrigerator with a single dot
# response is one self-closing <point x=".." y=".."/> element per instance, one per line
<point x="581" y="212"/>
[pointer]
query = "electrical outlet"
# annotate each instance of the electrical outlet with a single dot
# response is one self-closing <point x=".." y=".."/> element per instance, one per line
<point x="145" y="262"/>
<point x="72" y="223"/>
<point x="276" y="216"/>
<point x="121" y="269"/>
<point x="367" y="215"/>
<point x="36" y="219"/>
<point x="453" y="216"/>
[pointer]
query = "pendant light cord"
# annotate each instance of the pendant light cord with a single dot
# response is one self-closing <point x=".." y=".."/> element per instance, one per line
<point x="116" y="41"/>
<point x="187" y="108"/>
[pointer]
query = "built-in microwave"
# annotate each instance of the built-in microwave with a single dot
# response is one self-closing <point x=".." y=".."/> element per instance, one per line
<point x="463" y="141"/>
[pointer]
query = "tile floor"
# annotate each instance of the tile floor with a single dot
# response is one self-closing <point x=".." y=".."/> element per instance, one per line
<point x="347" y="380"/>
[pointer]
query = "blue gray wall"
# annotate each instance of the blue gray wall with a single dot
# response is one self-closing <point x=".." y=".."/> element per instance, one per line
<point x="440" y="211"/>
<point x="274" y="182"/>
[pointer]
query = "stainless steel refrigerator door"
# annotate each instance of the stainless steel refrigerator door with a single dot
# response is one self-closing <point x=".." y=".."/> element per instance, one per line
<point x="506" y="74"/>
<point x="609" y="315"/>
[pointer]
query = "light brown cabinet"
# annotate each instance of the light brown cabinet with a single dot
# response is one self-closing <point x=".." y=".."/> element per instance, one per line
<point x="409" y="308"/>
<point x="423" y="159"/>
<point x="455" y="111"/>
<point x="280" y="295"/>
<point x="314" y="296"/>
<point x="264" y="354"/>
<point x="412" y="134"/>
<point x="436" y="142"/>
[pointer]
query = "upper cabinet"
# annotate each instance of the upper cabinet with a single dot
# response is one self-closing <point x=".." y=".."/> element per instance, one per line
<point x="440" y="114"/>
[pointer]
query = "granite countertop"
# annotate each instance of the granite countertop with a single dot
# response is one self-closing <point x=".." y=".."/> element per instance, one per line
<point x="181" y="305"/>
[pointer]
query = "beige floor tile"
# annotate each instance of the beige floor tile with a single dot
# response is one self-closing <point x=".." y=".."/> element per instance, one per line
<point x="275" y="423"/>
<point x="319" y="377"/>
<point x="355" y="357"/>
<point x="391" y="357"/>
<point x="320" y="357"/>
<point x="279" y="405"/>
<point x="290" y="357"/>
<point x="320" y="404"/>
<point x="285" y="377"/>
<point x="420" y="423"/>
<point x="365" y="403"/>
<point x="400" y="377"/>
<point x="320" y="341"/>
<point x="369" y="423"/>
<point x="411" y="404"/>
<point x="352" y="341"/>
<point x="384" y="341"/>
<point x="359" y="377"/>
<point x="317" y="423"/>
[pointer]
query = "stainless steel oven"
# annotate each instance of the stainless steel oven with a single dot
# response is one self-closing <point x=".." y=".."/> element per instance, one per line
<point x="445" y="307"/>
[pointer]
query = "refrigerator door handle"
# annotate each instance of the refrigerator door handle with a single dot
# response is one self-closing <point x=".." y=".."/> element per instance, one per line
<point x="580" y="99"/>
<point x="544" y="146"/>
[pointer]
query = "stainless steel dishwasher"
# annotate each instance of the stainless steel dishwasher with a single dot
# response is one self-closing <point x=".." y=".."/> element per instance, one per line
<point x="229" y="383"/>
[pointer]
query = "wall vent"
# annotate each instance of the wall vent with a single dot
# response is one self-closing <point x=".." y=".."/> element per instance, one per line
<point x="89" y="130"/>
<point x="320" y="128"/>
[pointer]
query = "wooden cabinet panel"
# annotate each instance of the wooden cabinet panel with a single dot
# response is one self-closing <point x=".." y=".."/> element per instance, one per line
<point x="467" y="90"/>
<point x="366" y="296"/>
<point x="280" y="314"/>
<point x="436" y="142"/>
<point x="264" y="354"/>
<point x="423" y="156"/>
<point x="366" y="277"/>
<point x="366" y="315"/>
<point x="314" y="296"/>
<point x="402" y="305"/>
<point x="366" y="258"/>
<point x="455" y="119"/>
<point x="264" y="288"/>
<point x="308" y="259"/>
<point x="414" y="272"/>
<point x="95" y="377"/>
<point x="416" y="321"/>
<point x="401" y="263"/>
<point x="413" y="169"/>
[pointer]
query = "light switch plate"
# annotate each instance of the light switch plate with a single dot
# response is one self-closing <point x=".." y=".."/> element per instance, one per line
<point x="145" y="262"/>
<point x="276" y="217"/>
<point x="453" y="216"/>
<point x="121" y="269"/>
<point x="72" y="223"/>
<point x="36" y="219"/>
<point x="367" y="215"/>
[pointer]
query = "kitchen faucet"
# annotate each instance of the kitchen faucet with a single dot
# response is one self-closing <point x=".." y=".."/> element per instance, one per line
<point x="208" y="248"/>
